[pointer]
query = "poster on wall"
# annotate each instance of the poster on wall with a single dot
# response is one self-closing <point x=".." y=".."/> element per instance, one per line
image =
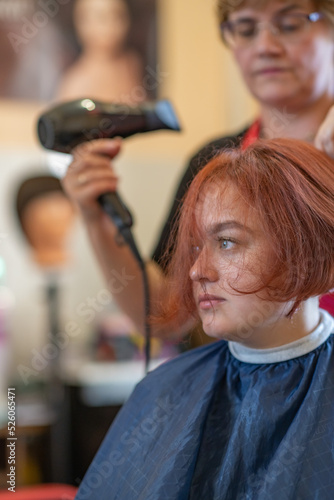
<point x="65" y="49"/>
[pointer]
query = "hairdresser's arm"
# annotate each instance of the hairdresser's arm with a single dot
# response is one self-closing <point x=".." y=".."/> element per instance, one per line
<point x="89" y="175"/>
<point x="325" y="137"/>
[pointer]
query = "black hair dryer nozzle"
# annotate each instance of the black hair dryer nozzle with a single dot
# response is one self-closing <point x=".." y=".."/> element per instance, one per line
<point x="67" y="125"/>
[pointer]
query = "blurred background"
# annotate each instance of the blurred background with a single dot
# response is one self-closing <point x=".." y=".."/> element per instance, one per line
<point x="65" y="400"/>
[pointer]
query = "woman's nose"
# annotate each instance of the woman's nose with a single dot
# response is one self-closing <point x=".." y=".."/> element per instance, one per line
<point x="204" y="268"/>
<point x="268" y="40"/>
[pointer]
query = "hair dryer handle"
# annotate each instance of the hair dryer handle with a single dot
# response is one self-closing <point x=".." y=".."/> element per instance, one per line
<point x="113" y="205"/>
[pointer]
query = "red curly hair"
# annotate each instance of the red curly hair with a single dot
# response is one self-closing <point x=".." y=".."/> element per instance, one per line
<point x="290" y="184"/>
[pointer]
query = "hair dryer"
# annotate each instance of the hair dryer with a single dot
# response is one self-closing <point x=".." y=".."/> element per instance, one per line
<point x="65" y="126"/>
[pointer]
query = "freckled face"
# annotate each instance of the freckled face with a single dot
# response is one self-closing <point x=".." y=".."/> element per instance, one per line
<point x="233" y="252"/>
<point x="282" y="73"/>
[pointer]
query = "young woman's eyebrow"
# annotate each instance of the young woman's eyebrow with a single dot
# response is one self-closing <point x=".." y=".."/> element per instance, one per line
<point x="228" y="224"/>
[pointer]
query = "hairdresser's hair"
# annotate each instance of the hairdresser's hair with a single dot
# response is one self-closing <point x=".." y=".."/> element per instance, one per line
<point x="290" y="185"/>
<point x="225" y="7"/>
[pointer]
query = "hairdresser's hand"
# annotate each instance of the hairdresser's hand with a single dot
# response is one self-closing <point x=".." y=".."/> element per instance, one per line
<point x="91" y="174"/>
<point x="325" y="137"/>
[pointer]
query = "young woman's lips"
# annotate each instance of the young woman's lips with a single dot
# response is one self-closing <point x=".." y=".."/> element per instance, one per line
<point x="206" y="302"/>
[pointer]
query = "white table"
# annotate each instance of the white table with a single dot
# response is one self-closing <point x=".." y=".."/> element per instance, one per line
<point x="106" y="383"/>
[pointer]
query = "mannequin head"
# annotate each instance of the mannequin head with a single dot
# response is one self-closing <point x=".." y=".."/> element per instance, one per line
<point x="102" y="25"/>
<point x="46" y="216"/>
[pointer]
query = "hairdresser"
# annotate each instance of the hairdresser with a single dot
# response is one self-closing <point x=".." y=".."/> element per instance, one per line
<point x="285" y="52"/>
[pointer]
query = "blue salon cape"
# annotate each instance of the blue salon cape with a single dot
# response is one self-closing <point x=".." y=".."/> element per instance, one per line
<point x="206" y="426"/>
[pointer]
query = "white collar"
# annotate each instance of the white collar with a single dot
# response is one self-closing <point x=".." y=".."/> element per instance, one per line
<point x="288" y="351"/>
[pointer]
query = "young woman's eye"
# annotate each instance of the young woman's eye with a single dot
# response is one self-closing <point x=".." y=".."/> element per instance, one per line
<point x="226" y="244"/>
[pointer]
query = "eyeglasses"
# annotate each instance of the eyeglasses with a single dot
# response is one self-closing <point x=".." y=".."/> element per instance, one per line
<point x="287" y="27"/>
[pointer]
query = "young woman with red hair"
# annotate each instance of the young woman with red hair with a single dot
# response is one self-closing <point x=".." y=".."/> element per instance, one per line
<point x="249" y="416"/>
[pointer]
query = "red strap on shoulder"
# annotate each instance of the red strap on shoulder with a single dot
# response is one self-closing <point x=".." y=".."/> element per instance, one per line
<point x="327" y="303"/>
<point x="252" y="134"/>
